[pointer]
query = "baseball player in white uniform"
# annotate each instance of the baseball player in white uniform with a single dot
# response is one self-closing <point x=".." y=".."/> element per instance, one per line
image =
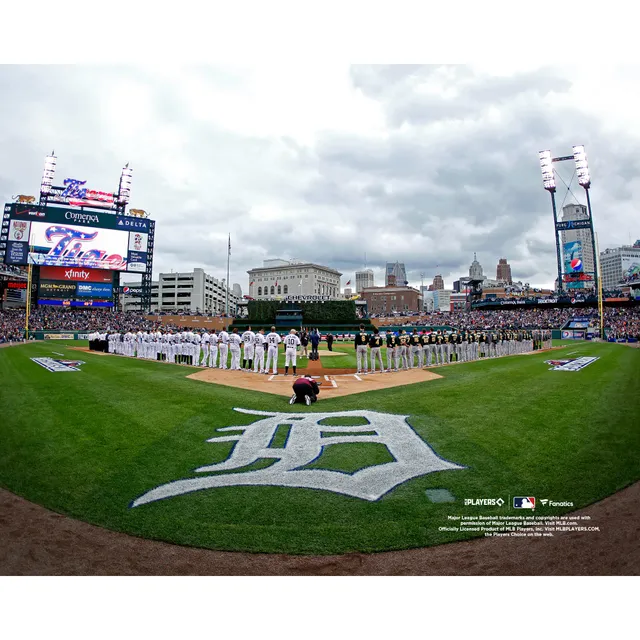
<point x="213" y="349"/>
<point x="196" y="340"/>
<point x="234" y="346"/>
<point x="247" y="356"/>
<point x="223" y="346"/>
<point x="204" y="340"/>
<point x="291" y="344"/>
<point x="258" y="351"/>
<point x="273" y="340"/>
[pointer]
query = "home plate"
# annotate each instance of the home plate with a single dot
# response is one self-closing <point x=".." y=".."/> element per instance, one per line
<point x="343" y="384"/>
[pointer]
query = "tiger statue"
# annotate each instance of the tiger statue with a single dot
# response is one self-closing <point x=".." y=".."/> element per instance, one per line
<point x="25" y="199"/>
<point x="138" y="213"/>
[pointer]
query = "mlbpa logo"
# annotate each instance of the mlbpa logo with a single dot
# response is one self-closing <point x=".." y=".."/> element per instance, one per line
<point x="305" y="443"/>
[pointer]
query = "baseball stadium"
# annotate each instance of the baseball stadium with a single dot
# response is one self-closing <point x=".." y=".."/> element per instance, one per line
<point x="461" y="442"/>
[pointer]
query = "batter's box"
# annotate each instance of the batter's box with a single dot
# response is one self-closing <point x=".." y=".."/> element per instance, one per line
<point x="333" y="385"/>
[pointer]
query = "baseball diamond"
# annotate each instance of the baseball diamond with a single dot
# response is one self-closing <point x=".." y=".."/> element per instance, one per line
<point x="219" y="459"/>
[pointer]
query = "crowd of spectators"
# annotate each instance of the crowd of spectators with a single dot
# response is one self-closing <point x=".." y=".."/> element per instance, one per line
<point x="621" y="322"/>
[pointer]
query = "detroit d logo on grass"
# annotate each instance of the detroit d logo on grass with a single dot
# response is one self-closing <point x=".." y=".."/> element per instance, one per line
<point x="305" y="443"/>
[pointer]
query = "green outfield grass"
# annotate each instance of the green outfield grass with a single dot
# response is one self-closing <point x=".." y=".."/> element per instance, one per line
<point x="88" y="443"/>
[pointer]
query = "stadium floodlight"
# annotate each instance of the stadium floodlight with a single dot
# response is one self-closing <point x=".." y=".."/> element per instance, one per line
<point x="125" y="184"/>
<point x="582" y="166"/>
<point x="546" y="166"/>
<point x="48" y="173"/>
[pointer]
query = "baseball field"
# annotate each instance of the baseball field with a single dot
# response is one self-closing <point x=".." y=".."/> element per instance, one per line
<point x="143" y="448"/>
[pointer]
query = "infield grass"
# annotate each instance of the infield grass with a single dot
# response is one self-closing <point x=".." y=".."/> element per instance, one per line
<point x="88" y="443"/>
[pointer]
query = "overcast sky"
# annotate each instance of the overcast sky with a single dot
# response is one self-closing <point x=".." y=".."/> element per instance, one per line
<point x="421" y="164"/>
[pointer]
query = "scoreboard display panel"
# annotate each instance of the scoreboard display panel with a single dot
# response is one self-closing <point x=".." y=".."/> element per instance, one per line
<point x="66" y="238"/>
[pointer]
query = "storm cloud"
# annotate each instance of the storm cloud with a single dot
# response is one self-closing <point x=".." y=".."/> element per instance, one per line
<point x="424" y="164"/>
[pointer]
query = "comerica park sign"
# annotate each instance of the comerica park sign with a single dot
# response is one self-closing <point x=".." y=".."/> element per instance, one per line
<point x="308" y="298"/>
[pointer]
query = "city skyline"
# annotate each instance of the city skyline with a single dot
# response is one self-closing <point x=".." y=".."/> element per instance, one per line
<point x="385" y="151"/>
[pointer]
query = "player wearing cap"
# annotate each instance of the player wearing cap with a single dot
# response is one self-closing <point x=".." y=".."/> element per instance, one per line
<point x="258" y="351"/>
<point x="273" y="340"/>
<point x="361" y="342"/>
<point x="223" y="347"/>
<point x="392" y="345"/>
<point x="291" y="343"/>
<point x="247" y="354"/>
<point x="234" y="346"/>
<point x="401" y="356"/>
<point x="204" y="341"/>
<point x="375" y="342"/>
<point x="213" y="349"/>
<point x="415" y="349"/>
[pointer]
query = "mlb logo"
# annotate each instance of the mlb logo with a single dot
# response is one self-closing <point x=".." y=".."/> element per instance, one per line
<point x="524" y="503"/>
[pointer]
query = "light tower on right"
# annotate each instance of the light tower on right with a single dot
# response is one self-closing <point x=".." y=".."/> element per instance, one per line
<point x="572" y="266"/>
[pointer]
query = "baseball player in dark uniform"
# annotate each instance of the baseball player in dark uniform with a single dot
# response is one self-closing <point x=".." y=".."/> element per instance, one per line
<point x="375" y="342"/>
<point x="361" y="342"/>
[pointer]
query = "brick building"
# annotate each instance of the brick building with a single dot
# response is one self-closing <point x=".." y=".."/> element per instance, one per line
<point x="386" y="300"/>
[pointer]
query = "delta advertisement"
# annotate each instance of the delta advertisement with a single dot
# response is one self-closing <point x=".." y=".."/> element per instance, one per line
<point x="50" y="237"/>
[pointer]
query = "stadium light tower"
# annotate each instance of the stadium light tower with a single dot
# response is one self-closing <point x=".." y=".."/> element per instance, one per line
<point x="549" y="182"/>
<point x="124" y="189"/>
<point x="47" y="177"/>
<point x="584" y="180"/>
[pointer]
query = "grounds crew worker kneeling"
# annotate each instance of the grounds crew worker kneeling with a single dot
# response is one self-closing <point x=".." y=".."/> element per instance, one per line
<point x="305" y="389"/>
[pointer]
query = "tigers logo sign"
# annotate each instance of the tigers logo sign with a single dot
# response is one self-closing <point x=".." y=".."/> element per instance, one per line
<point x="305" y="441"/>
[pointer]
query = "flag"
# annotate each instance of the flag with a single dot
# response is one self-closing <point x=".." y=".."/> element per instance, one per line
<point x="276" y="283"/>
<point x="251" y="283"/>
<point x="348" y="283"/>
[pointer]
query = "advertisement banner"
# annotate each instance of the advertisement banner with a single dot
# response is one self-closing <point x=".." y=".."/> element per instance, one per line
<point x="75" y="303"/>
<point x="62" y="215"/>
<point x="573" y="257"/>
<point x="72" y="246"/>
<point x="17" y="253"/>
<point x="19" y="230"/>
<point x="90" y="290"/>
<point x="59" y="336"/>
<point x="573" y="265"/>
<point x="630" y="269"/>
<point x="56" y="289"/>
<point x="129" y="223"/>
<point x="137" y="261"/>
<point x="76" y="274"/>
<point x="138" y="241"/>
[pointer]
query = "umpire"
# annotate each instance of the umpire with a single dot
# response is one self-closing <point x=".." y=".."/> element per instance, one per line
<point x="305" y="390"/>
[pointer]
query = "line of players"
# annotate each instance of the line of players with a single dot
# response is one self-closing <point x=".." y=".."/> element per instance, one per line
<point x="258" y="352"/>
<point x="439" y="347"/>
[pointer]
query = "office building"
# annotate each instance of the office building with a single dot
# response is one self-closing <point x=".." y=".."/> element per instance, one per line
<point x="194" y="291"/>
<point x="475" y="270"/>
<point x="395" y="274"/>
<point x="388" y="300"/>
<point x="364" y="280"/>
<point x="584" y="250"/>
<point x="280" y="278"/>
<point x="619" y="264"/>
<point x="438" y="283"/>
<point x="503" y="271"/>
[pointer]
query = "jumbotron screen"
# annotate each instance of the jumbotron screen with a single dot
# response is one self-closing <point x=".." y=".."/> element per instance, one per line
<point x="59" y="237"/>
